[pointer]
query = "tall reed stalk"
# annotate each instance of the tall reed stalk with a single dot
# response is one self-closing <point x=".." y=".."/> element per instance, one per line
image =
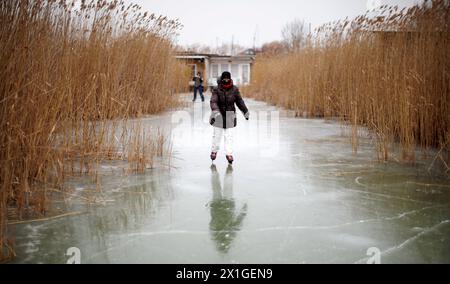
<point x="67" y="69"/>
<point x="390" y="73"/>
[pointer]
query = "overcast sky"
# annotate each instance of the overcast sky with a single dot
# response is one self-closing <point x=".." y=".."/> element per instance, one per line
<point x="212" y="22"/>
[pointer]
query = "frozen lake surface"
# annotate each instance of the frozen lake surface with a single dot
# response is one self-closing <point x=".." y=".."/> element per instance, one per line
<point x="295" y="194"/>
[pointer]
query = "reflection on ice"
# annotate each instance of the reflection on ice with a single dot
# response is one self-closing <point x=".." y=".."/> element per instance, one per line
<point x="226" y="220"/>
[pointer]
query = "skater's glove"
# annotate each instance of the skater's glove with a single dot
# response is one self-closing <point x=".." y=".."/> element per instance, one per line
<point x="213" y="117"/>
<point x="247" y="115"/>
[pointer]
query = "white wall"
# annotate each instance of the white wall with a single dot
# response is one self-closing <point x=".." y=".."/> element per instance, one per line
<point x="236" y="68"/>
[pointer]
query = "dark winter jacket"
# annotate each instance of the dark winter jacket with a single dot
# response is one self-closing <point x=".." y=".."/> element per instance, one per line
<point x="198" y="81"/>
<point x="222" y="106"/>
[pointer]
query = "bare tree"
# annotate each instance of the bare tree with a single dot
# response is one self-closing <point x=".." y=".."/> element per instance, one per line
<point x="273" y="48"/>
<point x="197" y="48"/>
<point x="228" y="49"/>
<point x="223" y="49"/>
<point x="294" y="35"/>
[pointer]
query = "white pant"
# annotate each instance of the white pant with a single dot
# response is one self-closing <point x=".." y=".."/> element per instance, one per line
<point x="217" y="139"/>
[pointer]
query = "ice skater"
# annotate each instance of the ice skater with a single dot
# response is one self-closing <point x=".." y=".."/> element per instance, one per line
<point x="223" y="115"/>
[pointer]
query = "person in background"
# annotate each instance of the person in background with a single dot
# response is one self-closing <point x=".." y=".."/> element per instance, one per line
<point x="198" y="86"/>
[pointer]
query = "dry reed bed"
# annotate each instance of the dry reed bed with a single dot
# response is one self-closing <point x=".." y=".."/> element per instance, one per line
<point x="66" y="68"/>
<point x="390" y="73"/>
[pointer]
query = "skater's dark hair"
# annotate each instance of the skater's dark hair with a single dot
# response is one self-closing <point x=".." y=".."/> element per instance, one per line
<point x="225" y="75"/>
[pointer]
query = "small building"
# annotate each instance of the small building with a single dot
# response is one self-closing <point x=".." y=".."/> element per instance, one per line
<point x="211" y="66"/>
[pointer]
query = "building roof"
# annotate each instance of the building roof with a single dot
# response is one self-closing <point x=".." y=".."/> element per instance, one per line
<point x="193" y="55"/>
